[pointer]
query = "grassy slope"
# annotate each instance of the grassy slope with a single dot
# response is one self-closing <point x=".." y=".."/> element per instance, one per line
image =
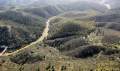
<point x="84" y="26"/>
<point x="49" y="59"/>
<point x="84" y="35"/>
<point x="45" y="58"/>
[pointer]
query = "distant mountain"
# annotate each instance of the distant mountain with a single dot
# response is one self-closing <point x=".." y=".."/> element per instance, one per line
<point x="114" y="3"/>
<point x="52" y="10"/>
<point x="84" y="5"/>
<point x="63" y="4"/>
<point x="45" y="12"/>
<point x="39" y="3"/>
<point x="8" y="4"/>
<point x="50" y="2"/>
<point x="15" y="2"/>
<point x="31" y="2"/>
<point x="110" y="19"/>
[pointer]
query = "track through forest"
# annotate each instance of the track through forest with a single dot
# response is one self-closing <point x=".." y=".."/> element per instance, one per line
<point x="44" y="35"/>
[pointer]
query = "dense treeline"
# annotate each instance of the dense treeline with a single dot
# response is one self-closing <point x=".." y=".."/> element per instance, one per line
<point x="82" y="37"/>
<point x="45" y="12"/>
<point x="19" y="28"/>
<point x="19" y="17"/>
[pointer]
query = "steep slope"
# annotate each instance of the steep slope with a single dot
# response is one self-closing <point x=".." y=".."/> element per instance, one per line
<point x="32" y="44"/>
<point x="52" y="10"/>
<point x="109" y="19"/>
<point x="18" y="28"/>
<point x="84" y="5"/>
<point x="79" y="35"/>
<point x="68" y="33"/>
<point x="45" y="12"/>
<point x="40" y="57"/>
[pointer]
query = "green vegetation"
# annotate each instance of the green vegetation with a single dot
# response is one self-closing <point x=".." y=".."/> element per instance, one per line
<point x="72" y="44"/>
<point x="18" y="29"/>
<point x="64" y="38"/>
<point x="26" y="57"/>
<point x="44" y="12"/>
<point x="81" y="37"/>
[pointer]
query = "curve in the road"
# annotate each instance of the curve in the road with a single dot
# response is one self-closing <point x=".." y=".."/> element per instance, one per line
<point x="44" y="35"/>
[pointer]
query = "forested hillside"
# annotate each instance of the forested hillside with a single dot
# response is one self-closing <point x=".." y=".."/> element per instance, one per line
<point x="17" y="28"/>
<point x="59" y="35"/>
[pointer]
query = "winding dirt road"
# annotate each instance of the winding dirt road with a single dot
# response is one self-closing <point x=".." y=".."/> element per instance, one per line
<point x="44" y="35"/>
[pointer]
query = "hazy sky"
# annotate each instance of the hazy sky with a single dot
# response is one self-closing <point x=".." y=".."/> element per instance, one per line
<point x="103" y="2"/>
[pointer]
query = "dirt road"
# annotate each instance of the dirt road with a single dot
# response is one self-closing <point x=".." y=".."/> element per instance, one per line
<point x="44" y="35"/>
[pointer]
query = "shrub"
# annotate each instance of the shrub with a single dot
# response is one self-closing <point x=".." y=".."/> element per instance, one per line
<point x="26" y="57"/>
